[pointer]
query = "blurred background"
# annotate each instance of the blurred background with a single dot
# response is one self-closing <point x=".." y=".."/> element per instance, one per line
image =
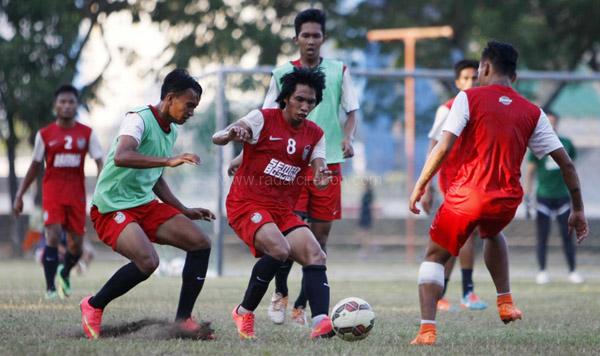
<point x="117" y="53"/>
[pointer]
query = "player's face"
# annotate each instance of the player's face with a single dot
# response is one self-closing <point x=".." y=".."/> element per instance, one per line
<point x="181" y="107"/>
<point x="300" y="104"/>
<point x="467" y="79"/>
<point x="309" y="40"/>
<point x="65" y="106"/>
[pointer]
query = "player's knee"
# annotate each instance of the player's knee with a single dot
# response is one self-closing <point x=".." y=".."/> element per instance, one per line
<point x="317" y="257"/>
<point x="431" y="273"/>
<point x="148" y="263"/>
<point x="201" y="241"/>
<point x="280" y="252"/>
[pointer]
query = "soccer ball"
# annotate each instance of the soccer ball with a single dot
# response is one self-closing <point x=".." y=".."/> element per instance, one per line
<point x="352" y="319"/>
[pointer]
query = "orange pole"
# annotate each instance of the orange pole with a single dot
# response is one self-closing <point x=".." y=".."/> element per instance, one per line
<point x="409" y="138"/>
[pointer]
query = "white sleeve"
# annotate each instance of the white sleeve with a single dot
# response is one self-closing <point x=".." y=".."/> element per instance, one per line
<point x="349" y="98"/>
<point x="440" y="117"/>
<point x="95" y="149"/>
<point x="458" y="117"/>
<point x="543" y="140"/>
<point x="272" y="94"/>
<point x="319" y="150"/>
<point x="133" y="126"/>
<point x="38" y="148"/>
<point x="255" y="120"/>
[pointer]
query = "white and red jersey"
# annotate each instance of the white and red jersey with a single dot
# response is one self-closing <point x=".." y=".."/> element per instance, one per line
<point x="275" y="161"/>
<point x="64" y="150"/>
<point x="495" y="125"/>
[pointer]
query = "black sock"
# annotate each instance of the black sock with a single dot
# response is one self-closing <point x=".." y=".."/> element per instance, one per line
<point x="316" y="288"/>
<point x="445" y="287"/>
<point x="467" y="281"/>
<point x="70" y="261"/>
<point x="282" y="276"/>
<point x="120" y="283"/>
<point x="50" y="263"/>
<point x="301" y="300"/>
<point x="194" y="273"/>
<point x="262" y="274"/>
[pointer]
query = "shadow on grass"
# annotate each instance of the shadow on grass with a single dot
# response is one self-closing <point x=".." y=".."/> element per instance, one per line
<point x="156" y="329"/>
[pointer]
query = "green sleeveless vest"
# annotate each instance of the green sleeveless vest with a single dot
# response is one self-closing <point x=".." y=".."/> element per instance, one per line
<point x="121" y="188"/>
<point x="326" y="114"/>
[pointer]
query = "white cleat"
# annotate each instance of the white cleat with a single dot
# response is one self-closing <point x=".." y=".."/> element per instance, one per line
<point x="542" y="277"/>
<point x="575" y="278"/>
<point x="277" y="308"/>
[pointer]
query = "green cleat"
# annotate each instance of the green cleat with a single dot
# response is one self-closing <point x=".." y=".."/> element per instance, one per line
<point x="64" y="284"/>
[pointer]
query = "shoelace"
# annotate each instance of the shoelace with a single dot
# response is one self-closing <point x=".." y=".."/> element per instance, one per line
<point x="248" y="324"/>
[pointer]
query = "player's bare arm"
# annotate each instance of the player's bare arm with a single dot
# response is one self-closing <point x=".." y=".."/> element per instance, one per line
<point x="427" y="198"/>
<point x="322" y="175"/>
<point x="238" y="131"/>
<point x="577" y="220"/>
<point x="432" y="165"/>
<point x="235" y="164"/>
<point x="126" y="155"/>
<point x="32" y="172"/>
<point x="164" y="193"/>
<point x="349" y="128"/>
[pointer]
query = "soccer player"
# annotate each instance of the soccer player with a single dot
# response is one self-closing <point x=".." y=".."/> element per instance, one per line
<point x="465" y="77"/>
<point x="319" y="206"/>
<point x="490" y="127"/>
<point x="62" y="145"/>
<point x="127" y="215"/>
<point x="279" y="146"/>
<point x="552" y="197"/>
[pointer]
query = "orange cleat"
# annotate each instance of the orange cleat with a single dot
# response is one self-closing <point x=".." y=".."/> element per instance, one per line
<point x="507" y="310"/>
<point x="299" y="316"/>
<point x="244" y="324"/>
<point x="323" y="329"/>
<point x="426" y="335"/>
<point x="91" y="318"/>
<point x="202" y="331"/>
<point x="443" y="304"/>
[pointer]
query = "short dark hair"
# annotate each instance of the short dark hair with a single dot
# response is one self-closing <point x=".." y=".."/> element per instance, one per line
<point x="314" y="78"/>
<point x="66" y="88"/>
<point x="503" y="57"/>
<point x="463" y="64"/>
<point x="310" y="15"/>
<point x="177" y="81"/>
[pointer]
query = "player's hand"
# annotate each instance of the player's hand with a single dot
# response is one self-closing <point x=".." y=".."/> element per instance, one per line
<point x="189" y="158"/>
<point x="415" y="197"/>
<point x="578" y="222"/>
<point x="427" y="200"/>
<point x="233" y="167"/>
<point x="199" y="214"/>
<point x="322" y="178"/>
<point x="347" y="148"/>
<point x="239" y="134"/>
<point x="18" y="206"/>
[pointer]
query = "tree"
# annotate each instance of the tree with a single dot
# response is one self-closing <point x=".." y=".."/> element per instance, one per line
<point x="41" y="43"/>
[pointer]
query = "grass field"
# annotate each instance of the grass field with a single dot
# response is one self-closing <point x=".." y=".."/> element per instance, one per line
<point x="559" y="318"/>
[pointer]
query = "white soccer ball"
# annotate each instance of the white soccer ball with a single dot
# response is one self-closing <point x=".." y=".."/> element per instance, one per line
<point x="352" y="319"/>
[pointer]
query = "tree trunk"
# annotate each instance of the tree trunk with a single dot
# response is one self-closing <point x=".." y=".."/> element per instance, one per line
<point x="16" y="229"/>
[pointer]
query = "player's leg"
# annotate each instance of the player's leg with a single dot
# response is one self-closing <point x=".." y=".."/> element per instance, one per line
<point x="269" y="240"/>
<point x="132" y="243"/>
<point x="496" y="261"/>
<point x="305" y="250"/>
<point x="72" y="255"/>
<point x="181" y="232"/>
<point x="467" y="261"/>
<point x="543" y="224"/>
<point x="50" y="258"/>
<point x="443" y="303"/>
<point x="568" y="246"/>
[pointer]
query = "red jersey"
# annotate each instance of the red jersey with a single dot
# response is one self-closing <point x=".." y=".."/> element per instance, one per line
<point x="495" y="125"/>
<point x="64" y="153"/>
<point x="274" y="168"/>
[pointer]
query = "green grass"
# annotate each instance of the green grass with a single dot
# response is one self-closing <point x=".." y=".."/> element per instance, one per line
<point x="559" y="318"/>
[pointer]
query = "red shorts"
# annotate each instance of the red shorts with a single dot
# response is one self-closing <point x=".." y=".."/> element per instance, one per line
<point x="70" y="216"/>
<point x="149" y="216"/>
<point x="451" y="230"/>
<point x="322" y="204"/>
<point x="247" y="219"/>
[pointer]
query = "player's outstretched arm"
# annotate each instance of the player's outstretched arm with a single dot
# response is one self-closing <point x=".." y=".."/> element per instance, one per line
<point x="322" y="175"/>
<point x="432" y="165"/>
<point x="164" y="193"/>
<point x="235" y="164"/>
<point x="577" y="220"/>
<point x="427" y="199"/>
<point x="30" y="176"/>
<point x="127" y="156"/>
<point x="238" y="131"/>
<point x="349" y="128"/>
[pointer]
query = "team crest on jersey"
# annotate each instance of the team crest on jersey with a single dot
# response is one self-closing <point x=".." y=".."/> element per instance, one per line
<point x="505" y="100"/>
<point x="306" y="152"/>
<point x="256" y="218"/>
<point x="119" y="217"/>
<point x="81" y="143"/>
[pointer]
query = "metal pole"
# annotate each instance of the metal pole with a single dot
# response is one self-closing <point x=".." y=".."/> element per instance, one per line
<point x="221" y="123"/>
<point x="409" y="139"/>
